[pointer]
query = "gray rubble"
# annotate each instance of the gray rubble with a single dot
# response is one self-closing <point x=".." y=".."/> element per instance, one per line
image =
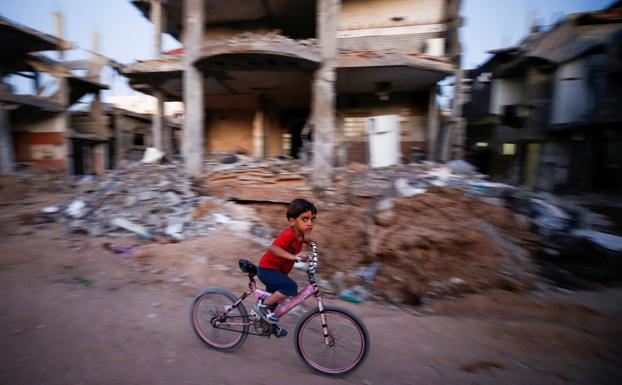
<point x="145" y="199"/>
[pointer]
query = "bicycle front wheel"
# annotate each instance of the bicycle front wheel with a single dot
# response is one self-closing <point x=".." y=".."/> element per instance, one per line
<point x="348" y="341"/>
<point x="219" y="331"/>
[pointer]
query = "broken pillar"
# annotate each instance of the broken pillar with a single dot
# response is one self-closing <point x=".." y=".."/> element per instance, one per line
<point x="6" y="142"/>
<point x="432" y="126"/>
<point x="156" y="20"/>
<point x="192" y="141"/>
<point x="63" y="123"/>
<point x="119" y="138"/>
<point x="258" y="133"/>
<point x="451" y="129"/>
<point x="323" y="93"/>
<point x="157" y="122"/>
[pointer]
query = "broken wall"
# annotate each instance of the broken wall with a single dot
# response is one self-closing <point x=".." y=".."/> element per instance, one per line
<point x="227" y="129"/>
<point x="355" y="109"/>
<point x="405" y="25"/>
<point x="40" y="138"/>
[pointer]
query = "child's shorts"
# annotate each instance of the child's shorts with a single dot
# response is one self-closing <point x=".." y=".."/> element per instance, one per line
<point x="275" y="280"/>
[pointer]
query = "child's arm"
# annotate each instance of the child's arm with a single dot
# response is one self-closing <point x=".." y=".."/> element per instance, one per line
<point x="280" y="252"/>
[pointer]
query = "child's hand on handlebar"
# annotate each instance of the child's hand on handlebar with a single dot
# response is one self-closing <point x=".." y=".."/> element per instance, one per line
<point x="302" y="256"/>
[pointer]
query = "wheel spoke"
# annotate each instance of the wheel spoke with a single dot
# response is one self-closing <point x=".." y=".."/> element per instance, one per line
<point x="349" y="342"/>
<point x="209" y="307"/>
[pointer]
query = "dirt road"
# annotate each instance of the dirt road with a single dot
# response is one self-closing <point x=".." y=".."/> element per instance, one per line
<point x="72" y="312"/>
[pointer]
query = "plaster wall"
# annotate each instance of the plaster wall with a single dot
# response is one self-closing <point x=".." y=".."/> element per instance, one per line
<point x="570" y="99"/>
<point x="227" y="129"/>
<point x="505" y="92"/>
<point x="359" y="14"/>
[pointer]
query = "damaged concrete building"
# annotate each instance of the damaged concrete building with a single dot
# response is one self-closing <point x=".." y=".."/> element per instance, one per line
<point x="39" y="121"/>
<point x="546" y="113"/>
<point x="34" y="122"/>
<point x="263" y="76"/>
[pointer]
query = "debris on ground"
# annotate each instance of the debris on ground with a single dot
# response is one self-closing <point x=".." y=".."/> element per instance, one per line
<point x="408" y="233"/>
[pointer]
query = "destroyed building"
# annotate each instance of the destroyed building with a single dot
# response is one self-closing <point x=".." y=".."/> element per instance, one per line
<point x="34" y="122"/>
<point x="39" y="123"/>
<point x="264" y="76"/>
<point x="546" y="113"/>
<point x="125" y="135"/>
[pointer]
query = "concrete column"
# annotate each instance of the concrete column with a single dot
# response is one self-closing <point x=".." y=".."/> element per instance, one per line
<point x="192" y="142"/>
<point x="258" y="133"/>
<point x="119" y="142"/>
<point x="156" y="19"/>
<point x="167" y="138"/>
<point x="457" y="140"/>
<point x="63" y="117"/>
<point x="432" y="125"/>
<point x="323" y="94"/>
<point x="158" y="121"/>
<point x="6" y="142"/>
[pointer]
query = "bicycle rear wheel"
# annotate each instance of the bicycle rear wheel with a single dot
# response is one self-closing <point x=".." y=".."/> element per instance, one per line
<point x="348" y="337"/>
<point x="221" y="332"/>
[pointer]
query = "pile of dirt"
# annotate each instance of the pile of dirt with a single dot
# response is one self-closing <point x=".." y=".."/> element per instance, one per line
<point x="445" y="243"/>
<point x="436" y="244"/>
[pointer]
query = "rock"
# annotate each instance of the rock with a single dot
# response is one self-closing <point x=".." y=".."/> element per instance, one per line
<point x="146" y="195"/>
<point x="96" y="230"/>
<point x="221" y="219"/>
<point x="404" y="189"/>
<point x="76" y="209"/>
<point x="173" y="198"/>
<point x="175" y="231"/>
<point x="50" y="210"/>
<point x="383" y="213"/>
<point x="130" y="201"/>
<point x="230" y="159"/>
<point x="78" y="226"/>
<point x="456" y="281"/>
<point x="152" y="155"/>
<point x="130" y="226"/>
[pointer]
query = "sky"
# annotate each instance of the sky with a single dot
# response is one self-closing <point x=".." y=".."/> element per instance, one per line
<point x="126" y="36"/>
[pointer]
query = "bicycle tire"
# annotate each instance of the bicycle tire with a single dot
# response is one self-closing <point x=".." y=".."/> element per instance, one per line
<point x="309" y="335"/>
<point x="203" y="327"/>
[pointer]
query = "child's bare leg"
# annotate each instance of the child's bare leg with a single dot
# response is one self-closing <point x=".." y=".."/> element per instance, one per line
<point x="275" y="298"/>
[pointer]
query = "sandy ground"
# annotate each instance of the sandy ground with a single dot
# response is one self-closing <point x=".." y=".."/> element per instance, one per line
<point x="73" y="312"/>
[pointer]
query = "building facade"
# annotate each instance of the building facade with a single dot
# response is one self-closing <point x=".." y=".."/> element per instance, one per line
<point x="545" y="114"/>
<point x="267" y="76"/>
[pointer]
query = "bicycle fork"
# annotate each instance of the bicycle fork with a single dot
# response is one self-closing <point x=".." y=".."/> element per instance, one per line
<point x="327" y="339"/>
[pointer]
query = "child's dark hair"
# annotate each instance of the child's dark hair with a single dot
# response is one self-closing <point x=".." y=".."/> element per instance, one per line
<point x="299" y="206"/>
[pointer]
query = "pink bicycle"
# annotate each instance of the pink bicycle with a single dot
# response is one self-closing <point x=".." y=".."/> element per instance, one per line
<point x="330" y="339"/>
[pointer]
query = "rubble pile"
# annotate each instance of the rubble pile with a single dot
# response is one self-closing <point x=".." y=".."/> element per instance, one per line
<point x="144" y="198"/>
<point x="242" y="179"/>
<point x="443" y="243"/>
<point x="274" y="38"/>
<point x="406" y="233"/>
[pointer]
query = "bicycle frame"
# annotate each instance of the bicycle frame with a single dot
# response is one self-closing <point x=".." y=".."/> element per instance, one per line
<point x="288" y="303"/>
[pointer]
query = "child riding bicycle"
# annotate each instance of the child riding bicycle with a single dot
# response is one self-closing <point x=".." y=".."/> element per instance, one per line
<point x="278" y="260"/>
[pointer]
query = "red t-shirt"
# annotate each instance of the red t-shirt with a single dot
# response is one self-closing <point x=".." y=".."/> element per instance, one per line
<point x="289" y="242"/>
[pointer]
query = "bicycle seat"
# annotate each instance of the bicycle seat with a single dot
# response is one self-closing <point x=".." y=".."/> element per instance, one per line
<point x="247" y="267"/>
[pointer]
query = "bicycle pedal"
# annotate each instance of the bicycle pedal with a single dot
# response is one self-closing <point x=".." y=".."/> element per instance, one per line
<point x="254" y="315"/>
<point x="279" y="332"/>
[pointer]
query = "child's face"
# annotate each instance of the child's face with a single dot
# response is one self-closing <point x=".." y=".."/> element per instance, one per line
<point x="303" y="224"/>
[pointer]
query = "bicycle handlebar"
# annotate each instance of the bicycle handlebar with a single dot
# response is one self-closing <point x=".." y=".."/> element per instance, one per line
<point x="313" y="259"/>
